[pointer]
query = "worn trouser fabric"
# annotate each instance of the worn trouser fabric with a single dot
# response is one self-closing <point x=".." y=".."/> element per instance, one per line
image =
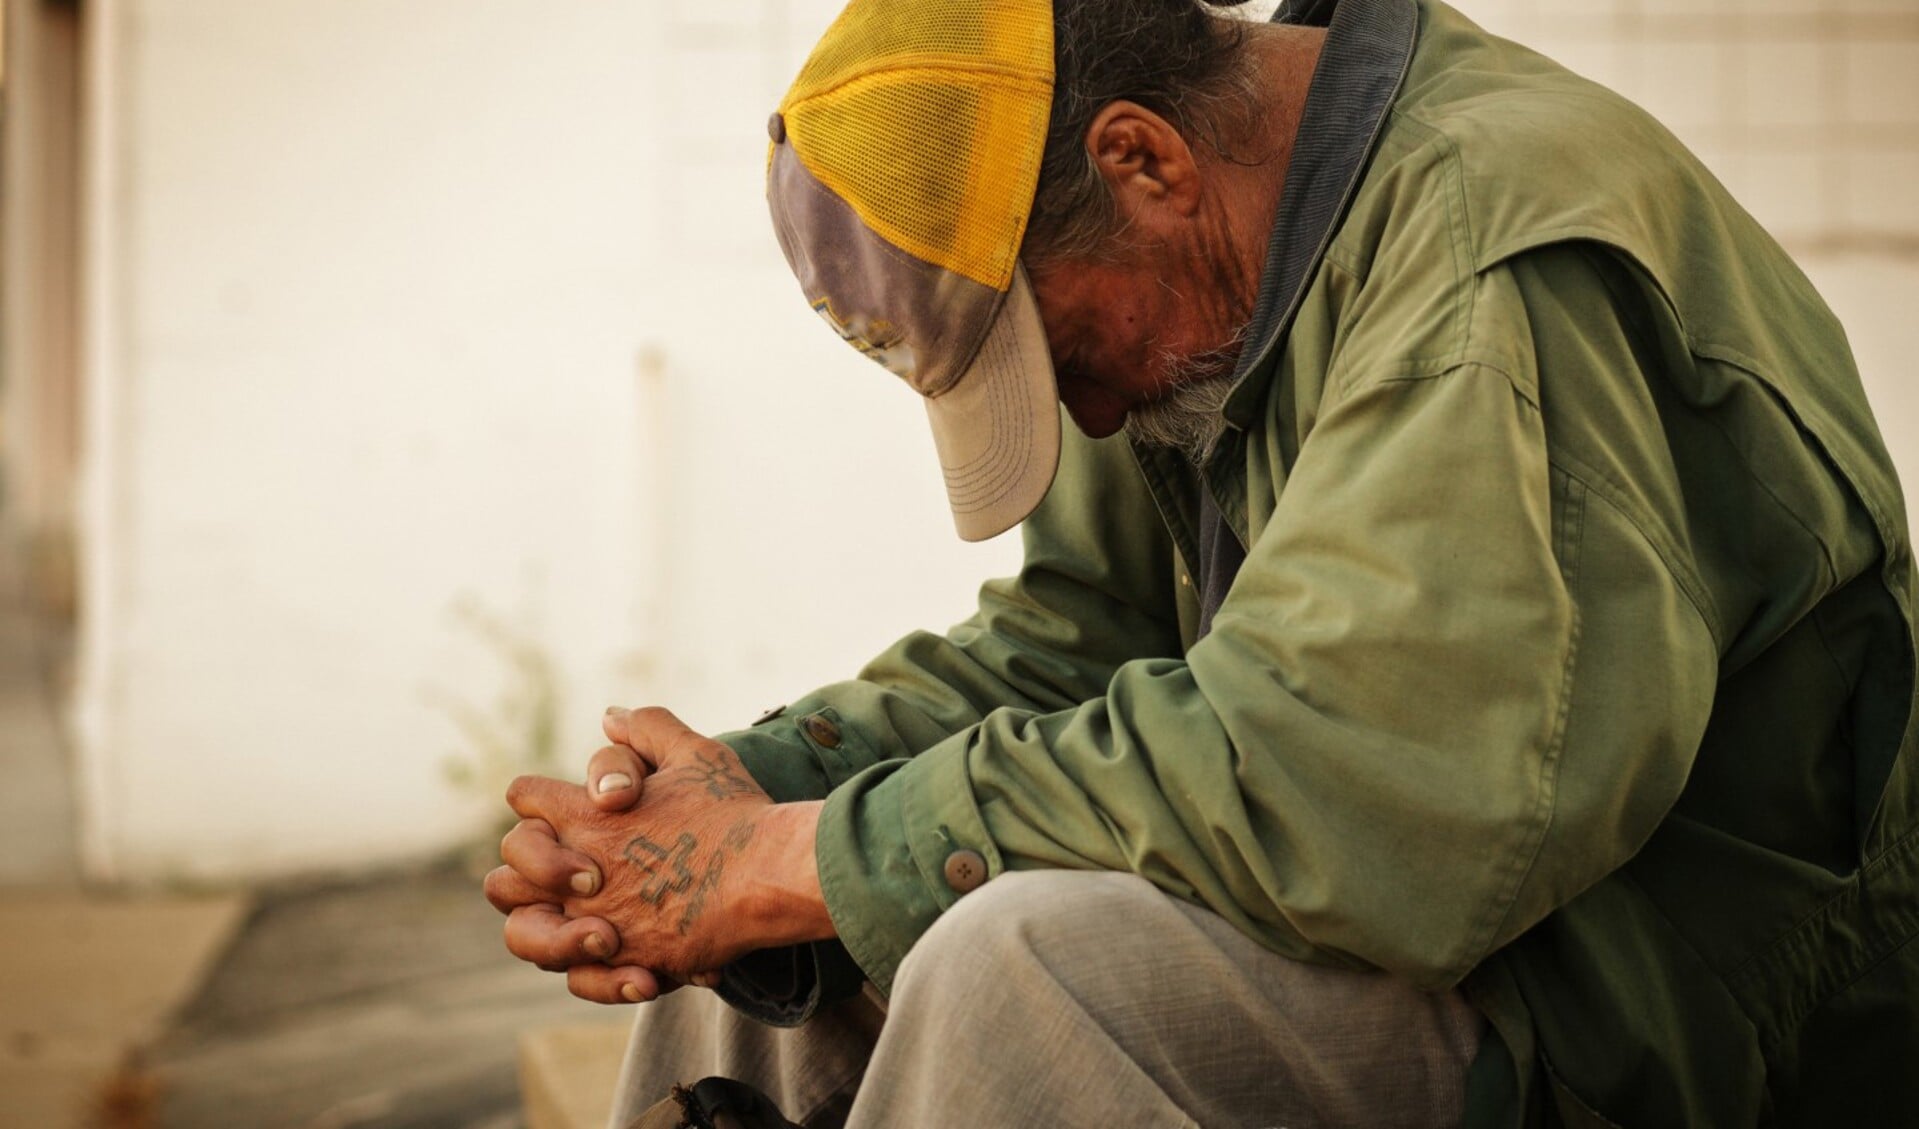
<point x="1083" y="999"/>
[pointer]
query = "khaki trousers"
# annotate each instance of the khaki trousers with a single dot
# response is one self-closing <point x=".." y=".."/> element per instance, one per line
<point x="1090" y="999"/>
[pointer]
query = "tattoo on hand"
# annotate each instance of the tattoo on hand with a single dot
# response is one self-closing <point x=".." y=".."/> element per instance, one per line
<point x="669" y="870"/>
<point x="723" y="780"/>
<point x="737" y="836"/>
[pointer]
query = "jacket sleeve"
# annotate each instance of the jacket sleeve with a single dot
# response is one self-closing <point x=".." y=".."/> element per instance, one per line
<point x="1452" y="686"/>
<point x="1095" y="590"/>
<point x="1042" y="641"/>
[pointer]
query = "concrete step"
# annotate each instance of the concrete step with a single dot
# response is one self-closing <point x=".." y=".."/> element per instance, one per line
<point x="567" y="1074"/>
<point x="84" y="981"/>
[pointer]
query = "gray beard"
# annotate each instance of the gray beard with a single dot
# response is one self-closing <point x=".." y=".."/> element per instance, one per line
<point x="1187" y="418"/>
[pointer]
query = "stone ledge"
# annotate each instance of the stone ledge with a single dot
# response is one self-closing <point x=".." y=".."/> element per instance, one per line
<point x="85" y="980"/>
<point x="567" y="1074"/>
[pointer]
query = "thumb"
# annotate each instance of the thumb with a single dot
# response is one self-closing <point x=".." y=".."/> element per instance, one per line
<point x="613" y="778"/>
<point x="651" y="732"/>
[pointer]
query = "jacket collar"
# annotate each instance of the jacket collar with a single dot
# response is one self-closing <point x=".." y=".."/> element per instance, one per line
<point x="1369" y="44"/>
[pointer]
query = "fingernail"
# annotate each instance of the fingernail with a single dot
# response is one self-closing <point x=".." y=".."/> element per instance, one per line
<point x="585" y="882"/>
<point x="596" y="946"/>
<point x="611" y="710"/>
<point x="631" y="994"/>
<point x="614" y="781"/>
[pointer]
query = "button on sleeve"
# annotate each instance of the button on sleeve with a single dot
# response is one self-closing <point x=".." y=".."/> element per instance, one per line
<point x="965" y="870"/>
<point x="822" y="730"/>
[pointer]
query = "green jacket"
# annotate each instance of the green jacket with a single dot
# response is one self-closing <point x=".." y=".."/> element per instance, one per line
<point x="1571" y="661"/>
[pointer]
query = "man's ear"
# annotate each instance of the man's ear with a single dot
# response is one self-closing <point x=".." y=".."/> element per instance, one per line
<point x="1144" y="161"/>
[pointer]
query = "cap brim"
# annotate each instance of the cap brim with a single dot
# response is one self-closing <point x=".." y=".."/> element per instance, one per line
<point x="997" y="427"/>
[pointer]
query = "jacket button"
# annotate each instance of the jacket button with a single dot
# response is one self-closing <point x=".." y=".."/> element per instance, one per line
<point x="821" y="730"/>
<point x="965" y="870"/>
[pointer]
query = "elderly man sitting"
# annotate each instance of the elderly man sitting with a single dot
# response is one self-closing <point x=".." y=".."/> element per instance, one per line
<point x="1462" y="666"/>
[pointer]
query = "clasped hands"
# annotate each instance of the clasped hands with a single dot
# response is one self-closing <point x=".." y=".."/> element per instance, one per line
<point x="668" y="864"/>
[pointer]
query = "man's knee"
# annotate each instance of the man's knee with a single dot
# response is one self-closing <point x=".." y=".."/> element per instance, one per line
<point x="1043" y="917"/>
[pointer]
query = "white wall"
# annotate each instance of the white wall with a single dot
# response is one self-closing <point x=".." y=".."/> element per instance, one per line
<point x="396" y="303"/>
<point x="424" y="301"/>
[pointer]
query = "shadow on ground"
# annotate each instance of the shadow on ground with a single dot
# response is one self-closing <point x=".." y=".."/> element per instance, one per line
<point x="379" y="1002"/>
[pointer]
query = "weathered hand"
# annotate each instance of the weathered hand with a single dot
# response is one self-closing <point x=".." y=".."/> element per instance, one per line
<point x="705" y="869"/>
<point x="538" y="870"/>
<point x="540" y="873"/>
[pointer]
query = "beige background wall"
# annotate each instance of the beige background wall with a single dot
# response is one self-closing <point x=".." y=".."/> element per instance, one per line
<point x="402" y="308"/>
<point x="395" y="306"/>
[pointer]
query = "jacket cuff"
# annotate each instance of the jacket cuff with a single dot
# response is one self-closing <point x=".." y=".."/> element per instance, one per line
<point x="797" y="752"/>
<point x="801" y="751"/>
<point x="787" y="986"/>
<point x="884" y="842"/>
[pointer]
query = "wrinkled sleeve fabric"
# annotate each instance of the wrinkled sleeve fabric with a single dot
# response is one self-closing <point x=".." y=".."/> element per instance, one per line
<point x="1450" y="688"/>
<point x="1095" y="590"/>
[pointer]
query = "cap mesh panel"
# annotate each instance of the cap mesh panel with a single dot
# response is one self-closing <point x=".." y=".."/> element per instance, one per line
<point x="959" y="93"/>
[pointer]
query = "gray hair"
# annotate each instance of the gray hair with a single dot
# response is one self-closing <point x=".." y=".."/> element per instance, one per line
<point x="1174" y="57"/>
<point x="1186" y="415"/>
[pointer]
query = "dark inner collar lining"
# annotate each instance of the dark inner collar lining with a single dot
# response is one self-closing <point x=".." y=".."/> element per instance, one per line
<point x="1368" y="46"/>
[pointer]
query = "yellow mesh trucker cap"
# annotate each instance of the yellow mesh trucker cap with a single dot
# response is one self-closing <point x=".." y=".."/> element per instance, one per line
<point x="901" y="174"/>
